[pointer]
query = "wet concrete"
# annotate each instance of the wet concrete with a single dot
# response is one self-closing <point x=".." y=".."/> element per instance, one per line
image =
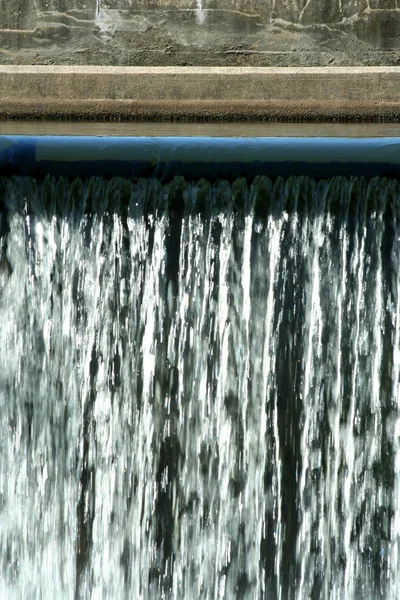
<point x="200" y="32"/>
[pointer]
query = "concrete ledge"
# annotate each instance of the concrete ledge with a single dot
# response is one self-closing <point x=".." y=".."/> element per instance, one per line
<point x="200" y="93"/>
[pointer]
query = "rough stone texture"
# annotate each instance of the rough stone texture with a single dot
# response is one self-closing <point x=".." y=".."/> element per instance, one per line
<point x="200" y="32"/>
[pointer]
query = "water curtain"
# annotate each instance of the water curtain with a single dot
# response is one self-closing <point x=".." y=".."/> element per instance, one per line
<point x="199" y="388"/>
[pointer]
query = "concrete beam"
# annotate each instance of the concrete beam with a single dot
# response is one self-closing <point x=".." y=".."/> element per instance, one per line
<point x="209" y="93"/>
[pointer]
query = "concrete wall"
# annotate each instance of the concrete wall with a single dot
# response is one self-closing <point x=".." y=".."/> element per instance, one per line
<point x="187" y="93"/>
<point x="200" y="32"/>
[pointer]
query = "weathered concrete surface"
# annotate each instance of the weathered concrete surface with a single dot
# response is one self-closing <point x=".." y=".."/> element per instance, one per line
<point x="200" y="92"/>
<point x="199" y="129"/>
<point x="200" y="32"/>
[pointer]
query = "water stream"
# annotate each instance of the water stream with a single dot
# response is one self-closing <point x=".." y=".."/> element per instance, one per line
<point x="200" y="13"/>
<point x="199" y="389"/>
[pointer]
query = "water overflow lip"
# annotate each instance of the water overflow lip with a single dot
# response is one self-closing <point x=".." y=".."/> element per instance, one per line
<point x="200" y="157"/>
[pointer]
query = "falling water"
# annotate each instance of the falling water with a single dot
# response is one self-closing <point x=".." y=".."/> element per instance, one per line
<point x="200" y="13"/>
<point x="200" y="389"/>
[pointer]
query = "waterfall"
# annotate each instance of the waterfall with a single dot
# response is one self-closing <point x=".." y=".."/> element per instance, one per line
<point x="199" y="388"/>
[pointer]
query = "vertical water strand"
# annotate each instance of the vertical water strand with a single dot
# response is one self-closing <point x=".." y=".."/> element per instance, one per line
<point x="253" y="463"/>
<point x="39" y="463"/>
<point x="47" y="414"/>
<point x="54" y="517"/>
<point x="200" y="12"/>
<point x="84" y="326"/>
<point x="319" y="492"/>
<point x="88" y="280"/>
<point x="14" y="491"/>
<point x="66" y="360"/>
<point x="13" y="539"/>
<point x="244" y="550"/>
<point x="186" y="502"/>
<point x="194" y="556"/>
<point x="205" y="378"/>
<point x="122" y="383"/>
<point x="255" y="287"/>
<point x="195" y="542"/>
<point x="199" y="514"/>
<point x="334" y="309"/>
<point x="329" y="305"/>
<point x="140" y="477"/>
<point x="311" y="477"/>
<point x="277" y="385"/>
<point x="152" y="399"/>
<point x="374" y="480"/>
<point x="172" y="361"/>
<point x="36" y="251"/>
<point x="246" y="407"/>
<point x="265" y="391"/>
<point x="181" y="578"/>
<point x="333" y="366"/>
<point x="167" y="405"/>
<point x="226" y="393"/>
<point x="394" y="426"/>
<point x="356" y="301"/>
<point x="109" y="541"/>
<point x="368" y="505"/>
<point x="275" y="314"/>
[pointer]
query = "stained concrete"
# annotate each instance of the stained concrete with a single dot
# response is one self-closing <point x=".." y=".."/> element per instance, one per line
<point x="223" y="93"/>
<point x="200" y="32"/>
<point x="200" y="129"/>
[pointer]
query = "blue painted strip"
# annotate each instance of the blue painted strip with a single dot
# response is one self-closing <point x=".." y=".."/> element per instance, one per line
<point x="192" y="157"/>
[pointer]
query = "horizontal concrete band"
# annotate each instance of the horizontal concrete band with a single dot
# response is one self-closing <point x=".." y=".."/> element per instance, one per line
<point x="199" y="92"/>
